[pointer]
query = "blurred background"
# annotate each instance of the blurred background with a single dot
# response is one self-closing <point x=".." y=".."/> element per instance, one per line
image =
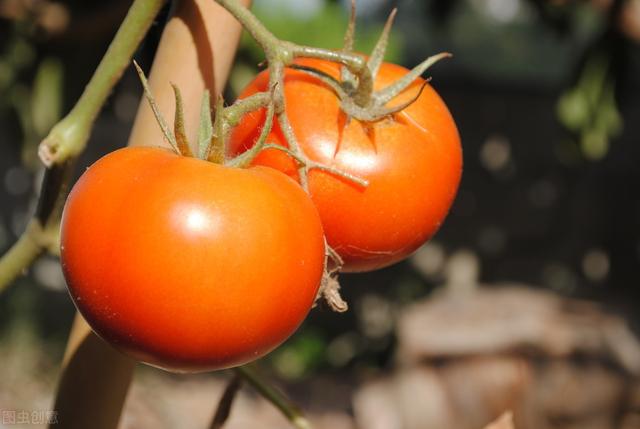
<point x="527" y="299"/>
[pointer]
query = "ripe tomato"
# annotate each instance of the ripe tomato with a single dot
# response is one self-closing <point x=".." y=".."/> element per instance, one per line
<point x="412" y="160"/>
<point x="188" y="265"/>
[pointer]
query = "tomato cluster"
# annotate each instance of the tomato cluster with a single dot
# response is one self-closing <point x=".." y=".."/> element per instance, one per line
<point x="190" y="265"/>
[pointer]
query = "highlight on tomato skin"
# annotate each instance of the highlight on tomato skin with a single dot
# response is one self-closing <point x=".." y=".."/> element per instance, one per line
<point x="188" y="265"/>
<point x="412" y="161"/>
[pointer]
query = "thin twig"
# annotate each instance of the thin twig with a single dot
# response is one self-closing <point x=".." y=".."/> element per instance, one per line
<point x="226" y="401"/>
<point x="68" y="138"/>
<point x="21" y="254"/>
<point x="290" y="410"/>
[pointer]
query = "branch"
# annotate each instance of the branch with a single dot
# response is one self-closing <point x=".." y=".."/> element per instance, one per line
<point x="68" y="139"/>
<point x="226" y="401"/>
<point x="290" y="410"/>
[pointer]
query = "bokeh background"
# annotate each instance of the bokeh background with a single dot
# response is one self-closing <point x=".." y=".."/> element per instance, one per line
<point x="528" y="299"/>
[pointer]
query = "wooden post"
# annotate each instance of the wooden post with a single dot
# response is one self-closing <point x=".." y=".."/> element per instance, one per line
<point x="93" y="382"/>
<point x="195" y="52"/>
<point x="186" y="58"/>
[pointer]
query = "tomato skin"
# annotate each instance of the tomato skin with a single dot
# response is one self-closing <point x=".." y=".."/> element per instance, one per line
<point x="188" y="265"/>
<point x="413" y="162"/>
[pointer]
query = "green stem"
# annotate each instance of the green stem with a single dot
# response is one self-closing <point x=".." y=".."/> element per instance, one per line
<point x="69" y="137"/>
<point x="356" y="64"/>
<point x="285" y="52"/>
<point x="290" y="411"/>
<point x="224" y="406"/>
<point x="229" y="117"/>
<point x="21" y="254"/>
<point x="42" y="232"/>
<point x="244" y="159"/>
<point x="237" y="110"/>
<point x="311" y="165"/>
<point x="292" y="141"/>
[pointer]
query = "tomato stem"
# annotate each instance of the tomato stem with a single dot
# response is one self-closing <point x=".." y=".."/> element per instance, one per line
<point x="226" y="401"/>
<point x="357" y="95"/>
<point x="42" y="232"/>
<point x="271" y="394"/>
<point x="294" y="147"/>
<point x="228" y="117"/>
<point x="237" y="110"/>
<point x="311" y="165"/>
<point x="281" y="53"/>
<point x="355" y="63"/>
<point x="31" y="244"/>
<point x="245" y="158"/>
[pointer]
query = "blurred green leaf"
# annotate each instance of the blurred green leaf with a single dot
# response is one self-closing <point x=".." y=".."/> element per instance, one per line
<point x="300" y="355"/>
<point x="594" y="144"/>
<point x="46" y="98"/>
<point x="573" y="110"/>
<point x="589" y="108"/>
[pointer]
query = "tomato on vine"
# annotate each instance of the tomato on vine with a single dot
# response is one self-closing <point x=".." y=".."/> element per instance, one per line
<point x="189" y="265"/>
<point x="412" y="160"/>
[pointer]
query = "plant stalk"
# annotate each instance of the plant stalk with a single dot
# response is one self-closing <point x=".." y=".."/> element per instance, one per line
<point x="290" y="411"/>
<point x="21" y="254"/>
<point x="226" y="401"/>
<point x="69" y="137"/>
<point x="284" y="52"/>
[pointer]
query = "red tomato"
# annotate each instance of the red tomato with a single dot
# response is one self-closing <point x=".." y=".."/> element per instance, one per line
<point x="188" y="265"/>
<point x="412" y="160"/>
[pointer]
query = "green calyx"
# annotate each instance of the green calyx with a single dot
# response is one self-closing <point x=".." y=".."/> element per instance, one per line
<point x="357" y="97"/>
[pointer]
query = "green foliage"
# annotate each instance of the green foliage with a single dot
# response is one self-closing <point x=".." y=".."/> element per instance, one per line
<point x="302" y="354"/>
<point x="18" y="55"/>
<point x="46" y="96"/>
<point x="589" y="109"/>
<point x="38" y="107"/>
